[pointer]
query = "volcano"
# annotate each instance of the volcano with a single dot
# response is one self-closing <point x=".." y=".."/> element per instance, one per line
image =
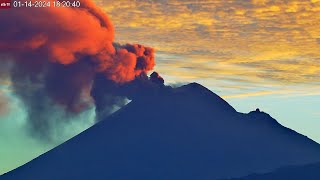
<point x="187" y="132"/>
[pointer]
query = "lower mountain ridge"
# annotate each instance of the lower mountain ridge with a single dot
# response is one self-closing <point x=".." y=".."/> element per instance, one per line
<point x="181" y="133"/>
<point x="310" y="172"/>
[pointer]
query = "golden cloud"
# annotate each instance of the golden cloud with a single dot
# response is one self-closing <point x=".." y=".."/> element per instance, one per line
<point x="257" y="40"/>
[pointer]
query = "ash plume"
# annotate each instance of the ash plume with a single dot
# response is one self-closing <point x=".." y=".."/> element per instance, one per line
<point x="4" y="106"/>
<point x="59" y="54"/>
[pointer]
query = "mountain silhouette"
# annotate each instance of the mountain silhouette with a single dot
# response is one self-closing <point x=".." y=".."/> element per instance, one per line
<point x="187" y="132"/>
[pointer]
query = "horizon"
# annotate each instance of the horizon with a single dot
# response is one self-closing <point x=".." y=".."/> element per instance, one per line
<point x="254" y="54"/>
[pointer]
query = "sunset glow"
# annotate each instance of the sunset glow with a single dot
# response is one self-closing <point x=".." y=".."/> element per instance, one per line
<point x="256" y="53"/>
<point x="253" y="53"/>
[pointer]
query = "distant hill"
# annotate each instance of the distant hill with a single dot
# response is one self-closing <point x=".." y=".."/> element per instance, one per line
<point x="177" y="133"/>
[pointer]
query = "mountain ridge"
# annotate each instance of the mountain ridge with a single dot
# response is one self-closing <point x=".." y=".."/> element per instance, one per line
<point x="177" y="133"/>
<point x="309" y="171"/>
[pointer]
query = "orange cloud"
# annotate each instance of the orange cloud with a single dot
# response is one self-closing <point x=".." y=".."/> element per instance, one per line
<point x="54" y="56"/>
<point x="273" y="40"/>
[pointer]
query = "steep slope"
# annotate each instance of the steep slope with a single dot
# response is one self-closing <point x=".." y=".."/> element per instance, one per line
<point x="183" y="133"/>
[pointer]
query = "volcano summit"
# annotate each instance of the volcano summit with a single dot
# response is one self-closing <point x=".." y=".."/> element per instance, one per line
<point x="187" y="132"/>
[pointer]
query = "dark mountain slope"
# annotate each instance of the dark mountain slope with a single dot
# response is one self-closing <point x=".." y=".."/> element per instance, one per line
<point x="182" y="133"/>
<point x="310" y="172"/>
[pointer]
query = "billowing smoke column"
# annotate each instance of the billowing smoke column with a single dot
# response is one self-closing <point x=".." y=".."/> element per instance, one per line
<point x="57" y="54"/>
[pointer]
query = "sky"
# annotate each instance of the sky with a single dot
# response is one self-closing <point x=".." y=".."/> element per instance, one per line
<point x="254" y="53"/>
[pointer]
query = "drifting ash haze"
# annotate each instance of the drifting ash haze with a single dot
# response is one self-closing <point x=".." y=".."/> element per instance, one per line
<point x="55" y="55"/>
<point x="4" y="108"/>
